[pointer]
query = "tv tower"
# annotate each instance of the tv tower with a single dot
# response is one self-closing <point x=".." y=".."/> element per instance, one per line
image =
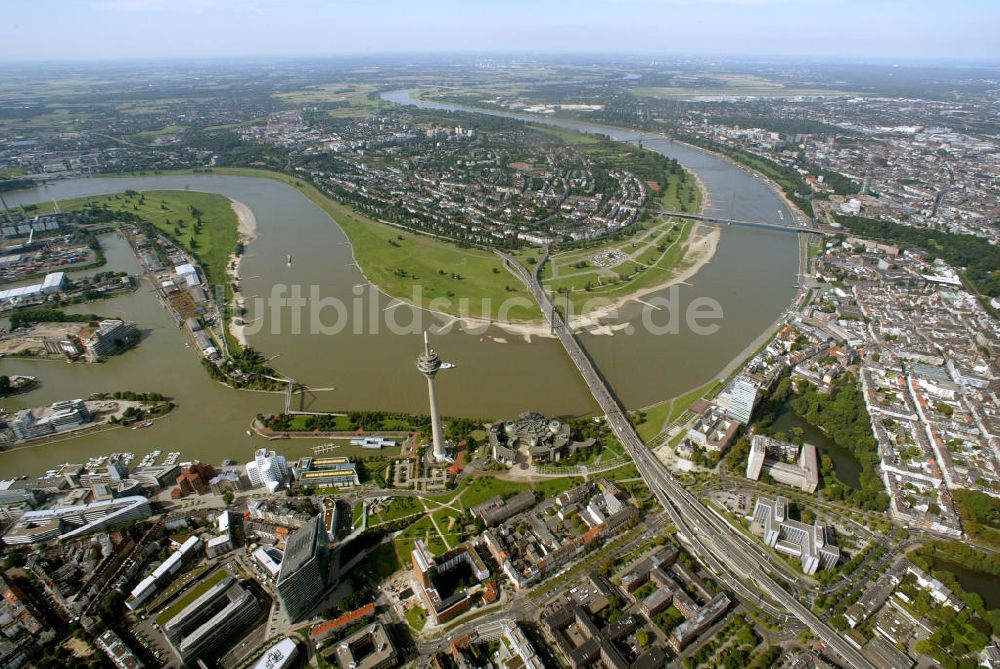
<point x="429" y="362"/>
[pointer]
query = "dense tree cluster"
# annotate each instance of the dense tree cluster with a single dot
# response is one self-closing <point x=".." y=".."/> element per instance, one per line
<point x="131" y="396"/>
<point x="370" y="421"/>
<point x="957" y="636"/>
<point x="247" y="369"/>
<point x="842" y="415"/>
<point x="45" y="315"/>
<point x="980" y="516"/>
<point x="250" y="361"/>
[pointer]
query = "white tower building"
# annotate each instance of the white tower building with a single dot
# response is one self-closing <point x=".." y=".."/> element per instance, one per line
<point x="742" y="399"/>
<point x="429" y="362"/>
<point x="267" y="469"/>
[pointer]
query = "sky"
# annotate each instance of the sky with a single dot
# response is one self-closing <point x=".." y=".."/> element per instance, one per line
<point x="960" y="30"/>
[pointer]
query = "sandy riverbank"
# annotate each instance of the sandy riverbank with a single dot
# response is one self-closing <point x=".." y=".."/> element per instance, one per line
<point x="246" y="232"/>
<point x="706" y="197"/>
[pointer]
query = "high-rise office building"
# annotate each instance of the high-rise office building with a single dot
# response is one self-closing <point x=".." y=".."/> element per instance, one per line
<point x="203" y="627"/>
<point x="306" y="569"/>
<point x="742" y="399"/>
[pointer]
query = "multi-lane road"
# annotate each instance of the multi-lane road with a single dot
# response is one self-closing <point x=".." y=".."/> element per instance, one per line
<point x="732" y="221"/>
<point x="732" y="557"/>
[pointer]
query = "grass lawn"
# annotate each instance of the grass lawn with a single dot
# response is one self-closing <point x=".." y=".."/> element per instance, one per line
<point x="644" y="590"/>
<point x="339" y="424"/>
<point x="434" y="274"/>
<point x="358" y="513"/>
<point x="370" y="470"/>
<point x="485" y="487"/>
<point x="176" y="586"/>
<point x="451" y="524"/>
<point x="815" y="248"/>
<point x="657" y="415"/>
<point x="397" y="261"/>
<point x="657" y="267"/>
<point x="552" y="487"/>
<point x="529" y="256"/>
<point x="171" y="212"/>
<point x="416" y="618"/>
<point x="621" y="473"/>
<point x="149" y="135"/>
<point x="571" y="137"/>
<point x="447" y="496"/>
<point x="422" y="529"/>
<point x="611" y="448"/>
<point x="678" y="196"/>
<point x="683" y="402"/>
<point x="190" y="595"/>
<point x="399" y="508"/>
<point x="668" y="619"/>
<point x="383" y="561"/>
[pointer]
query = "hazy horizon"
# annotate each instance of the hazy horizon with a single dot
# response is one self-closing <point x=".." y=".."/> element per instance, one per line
<point x="876" y="30"/>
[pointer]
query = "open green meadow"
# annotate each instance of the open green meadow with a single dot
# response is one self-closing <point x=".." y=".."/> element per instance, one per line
<point x="618" y="268"/>
<point x="664" y="413"/>
<point x="150" y="135"/>
<point x="485" y="487"/>
<point x="713" y="84"/>
<point x="338" y="99"/>
<point x="177" y="214"/>
<point x="396" y="260"/>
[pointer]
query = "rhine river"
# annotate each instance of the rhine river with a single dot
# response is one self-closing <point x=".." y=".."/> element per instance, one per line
<point x="497" y="375"/>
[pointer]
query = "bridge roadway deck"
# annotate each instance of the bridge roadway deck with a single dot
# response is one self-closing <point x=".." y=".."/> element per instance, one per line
<point x="720" y="547"/>
<point x="752" y="224"/>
